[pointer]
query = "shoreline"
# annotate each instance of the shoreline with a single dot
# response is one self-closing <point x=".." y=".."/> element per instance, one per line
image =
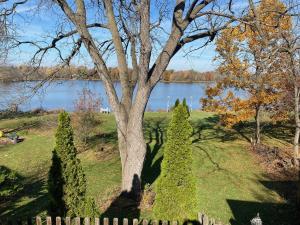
<point x="116" y="81"/>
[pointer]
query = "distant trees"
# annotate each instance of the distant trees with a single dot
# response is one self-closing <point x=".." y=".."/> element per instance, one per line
<point x="176" y="197"/>
<point x="66" y="181"/>
<point x="26" y="72"/>
<point x="188" y="76"/>
<point x="249" y="61"/>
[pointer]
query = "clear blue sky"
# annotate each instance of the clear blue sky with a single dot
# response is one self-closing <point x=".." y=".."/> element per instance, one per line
<point x="40" y="24"/>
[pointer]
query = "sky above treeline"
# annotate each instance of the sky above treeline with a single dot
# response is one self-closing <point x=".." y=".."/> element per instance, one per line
<point x="39" y="21"/>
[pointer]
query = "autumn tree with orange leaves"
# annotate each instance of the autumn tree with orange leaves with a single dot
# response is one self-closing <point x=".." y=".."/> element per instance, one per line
<point x="249" y="61"/>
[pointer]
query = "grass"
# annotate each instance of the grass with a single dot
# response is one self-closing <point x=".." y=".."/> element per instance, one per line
<point x="232" y="185"/>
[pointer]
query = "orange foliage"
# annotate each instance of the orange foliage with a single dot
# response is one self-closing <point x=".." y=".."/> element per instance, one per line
<point x="249" y="62"/>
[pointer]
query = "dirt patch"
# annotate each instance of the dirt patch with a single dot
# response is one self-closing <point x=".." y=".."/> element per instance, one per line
<point x="277" y="162"/>
<point x="106" y="152"/>
<point x="148" y="197"/>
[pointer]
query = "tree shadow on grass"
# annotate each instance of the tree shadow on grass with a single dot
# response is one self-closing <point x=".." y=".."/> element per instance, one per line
<point x="156" y="133"/>
<point x="209" y="128"/>
<point x="103" y="139"/>
<point x="126" y="205"/>
<point x="32" y="188"/>
<point x="215" y="164"/>
<point x="271" y="213"/>
<point x="279" y="130"/>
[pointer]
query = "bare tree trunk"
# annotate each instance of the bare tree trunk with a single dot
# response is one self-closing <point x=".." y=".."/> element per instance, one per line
<point x="257" y="127"/>
<point x="132" y="144"/>
<point x="297" y="123"/>
<point x="132" y="150"/>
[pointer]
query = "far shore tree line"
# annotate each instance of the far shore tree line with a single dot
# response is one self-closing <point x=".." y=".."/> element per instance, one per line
<point x="28" y="73"/>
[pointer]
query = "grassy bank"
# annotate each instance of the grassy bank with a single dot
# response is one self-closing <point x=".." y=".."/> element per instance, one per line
<point x="232" y="185"/>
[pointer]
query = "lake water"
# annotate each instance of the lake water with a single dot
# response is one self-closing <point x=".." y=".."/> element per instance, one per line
<point x="62" y="94"/>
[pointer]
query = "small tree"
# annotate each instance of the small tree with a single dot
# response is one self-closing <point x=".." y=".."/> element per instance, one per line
<point x="86" y="107"/>
<point x="250" y="62"/>
<point x="176" y="188"/>
<point x="67" y="182"/>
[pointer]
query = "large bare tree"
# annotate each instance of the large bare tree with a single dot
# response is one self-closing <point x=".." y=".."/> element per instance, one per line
<point x="144" y="36"/>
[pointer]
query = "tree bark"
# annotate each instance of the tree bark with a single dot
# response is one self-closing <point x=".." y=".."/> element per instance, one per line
<point x="132" y="144"/>
<point x="297" y="123"/>
<point x="257" y="127"/>
<point x="132" y="148"/>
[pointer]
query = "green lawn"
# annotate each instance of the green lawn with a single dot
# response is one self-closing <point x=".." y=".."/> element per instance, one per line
<point x="232" y="185"/>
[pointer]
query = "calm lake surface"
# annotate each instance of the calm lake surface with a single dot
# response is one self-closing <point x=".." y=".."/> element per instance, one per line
<point x="62" y="94"/>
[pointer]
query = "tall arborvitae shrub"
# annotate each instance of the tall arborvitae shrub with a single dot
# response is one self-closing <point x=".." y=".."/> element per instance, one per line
<point x="67" y="182"/>
<point x="176" y="187"/>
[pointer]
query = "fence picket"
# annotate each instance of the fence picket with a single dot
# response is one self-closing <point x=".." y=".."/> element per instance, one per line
<point x="145" y="222"/>
<point x="164" y="222"/>
<point x="58" y="220"/>
<point x="205" y="220"/>
<point x="105" y="221"/>
<point x="87" y="221"/>
<point x="125" y="221"/>
<point x="155" y="222"/>
<point x="200" y="218"/>
<point x="77" y="221"/>
<point x="48" y="220"/>
<point x="68" y="220"/>
<point x="38" y="220"/>
<point x="135" y="221"/>
<point x="97" y="221"/>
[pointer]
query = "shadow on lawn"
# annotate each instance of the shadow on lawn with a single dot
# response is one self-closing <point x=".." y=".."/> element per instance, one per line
<point x="126" y="205"/>
<point x="103" y="139"/>
<point x="280" y="131"/>
<point x="270" y="213"/>
<point x="209" y="129"/>
<point x="10" y="208"/>
<point x="156" y="134"/>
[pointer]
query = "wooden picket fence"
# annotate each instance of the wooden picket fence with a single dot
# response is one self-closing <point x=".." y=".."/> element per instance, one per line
<point x="203" y="219"/>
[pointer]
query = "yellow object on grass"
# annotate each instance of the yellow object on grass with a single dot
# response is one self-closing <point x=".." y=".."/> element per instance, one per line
<point x="1" y="134"/>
